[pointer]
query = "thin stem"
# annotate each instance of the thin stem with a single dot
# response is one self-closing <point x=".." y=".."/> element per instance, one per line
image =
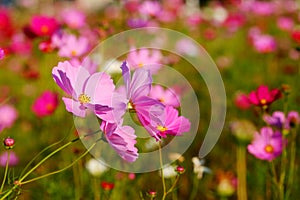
<point x="292" y="164"/>
<point x="6" y="170"/>
<point x="173" y="186"/>
<point x="96" y="189"/>
<point x="241" y="173"/>
<point x="61" y="170"/>
<point x="161" y="170"/>
<point x="195" y="187"/>
<point x="282" y="174"/>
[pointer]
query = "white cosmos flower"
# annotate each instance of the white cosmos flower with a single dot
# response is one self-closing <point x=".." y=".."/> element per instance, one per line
<point x="95" y="167"/>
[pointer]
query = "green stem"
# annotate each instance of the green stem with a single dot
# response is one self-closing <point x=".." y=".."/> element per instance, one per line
<point x="61" y="170"/>
<point x="96" y="189"/>
<point x="195" y="187"/>
<point x="173" y="186"/>
<point x="241" y="173"/>
<point x="292" y="163"/>
<point x="6" y="170"/>
<point x="161" y="171"/>
<point x="282" y="175"/>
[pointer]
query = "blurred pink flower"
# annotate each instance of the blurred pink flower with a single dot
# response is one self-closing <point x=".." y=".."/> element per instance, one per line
<point x="45" y="104"/>
<point x="279" y="120"/>
<point x="263" y="8"/>
<point x="122" y="140"/>
<point x="137" y="22"/>
<point x="2" y="53"/>
<point x="6" y="26"/>
<point x="241" y="101"/>
<point x="166" y="16"/>
<point x="285" y="23"/>
<point x="132" y="5"/>
<point x="73" y="18"/>
<point x="150" y="8"/>
<point x="43" y="25"/>
<point x="295" y="34"/>
<point x="187" y="47"/>
<point x="8" y="116"/>
<point x="20" y="45"/>
<point x="166" y="97"/>
<point x="13" y="159"/>
<point x="234" y="21"/>
<point x="71" y="46"/>
<point x="263" y="96"/>
<point x="264" y="43"/>
<point x="267" y="145"/>
<point x="145" y="58"/>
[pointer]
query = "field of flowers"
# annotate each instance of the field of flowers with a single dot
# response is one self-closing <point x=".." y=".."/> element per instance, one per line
<point x="146" y="99"/>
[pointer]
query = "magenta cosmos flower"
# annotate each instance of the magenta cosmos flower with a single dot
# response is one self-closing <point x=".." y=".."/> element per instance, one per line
<point x="279" y="120"/>
<point x="165" y="96"/>
<point x="8" y="116"/>
<point x="169" y="123"/>
<point x="72" y="47"/>
<point x="145" y="58"/>
<point x="45" y="104"/>
<point x="122" y="140"/>
<point x="264" y="43"/>
<point x="87" y="91"/>
<point x="263" y="96"/>
<point x="43" y="25"/>
<point x="2" y="54"/>
<point x="266" y="145"/>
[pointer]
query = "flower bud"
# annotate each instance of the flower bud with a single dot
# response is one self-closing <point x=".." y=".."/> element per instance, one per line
<point x="180" y="170"/>
<point x="152" y="194"/>
<point x="9" y="143"/>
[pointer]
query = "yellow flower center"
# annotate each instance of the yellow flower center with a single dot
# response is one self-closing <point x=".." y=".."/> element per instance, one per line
<point x="73" y="53"/>
<point x="263" y="101"/>
<point x="161" y="128"/>
<point x="44" y="29"/>
<point x="140" y="65"/>
<point x="49" y="107"/>
<point x="83" y="98"/>
<point x="269" y="148"/>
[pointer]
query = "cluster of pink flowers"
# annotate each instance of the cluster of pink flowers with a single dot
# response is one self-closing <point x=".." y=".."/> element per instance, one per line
<point x="96" y="92"/>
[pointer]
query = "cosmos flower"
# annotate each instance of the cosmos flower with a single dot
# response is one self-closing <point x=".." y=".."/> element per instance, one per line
<point x="169" y="123"/>
<point x="279" y="120"/>
<point x="107" y="185"/>
<point x="8" y="115"/>
<point x="165" y="96"/>
<point x="87" y="91"/>
<point x="264" y="43"/>
<point x="267" y="145"/>
<point x="241" y="101"/>
<point x="13" y="159"/>
<point x="43" y="25"/>
<point x="145" y="58"/>
<point x="150" y="8"/>
<point x="263" y="96"/>
<point x="72" y="46"/>
<point x="285" y="23"/>
<point x="73" y="18"/>
<point x="135" y="97"/>
<point x="122" y="140"/>
<point x="45" y="104"/>
<point x="2" y="53"/>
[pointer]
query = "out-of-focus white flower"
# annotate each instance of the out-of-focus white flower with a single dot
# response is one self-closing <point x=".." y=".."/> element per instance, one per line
<point x="220" y="14"/>
<point x="95" y="167"/>
<point x="176" y="156"/>
<point x="199" y="169"/>
<point x="169" y="171"/>
<point x="112" y="67"/>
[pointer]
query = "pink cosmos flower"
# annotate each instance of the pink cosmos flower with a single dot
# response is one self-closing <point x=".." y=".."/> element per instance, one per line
<point x="295" y="34"/>
<point x="167" y="97"/>
<point x="6" y="26"/>
<point x="2" y="53"/>
<point x="263" y="8"/>
<point x="122" y="140"/>
<point x="150" y="8"/>
<point x="45" y="104"/>
<point x="87" y="91"/>
<point x="71" y="46"/>
<point x="169" y="124"/>
<point x="279" y="120"/>
<point x="285" y="23"/>
<point x="135" y="98"/>
<point x="267" y="145"/>
<point x="13" y="159"/>
<point x="20" y="45"/>
<point x="264" y="43"/>
<point x="73" y="18"/>
<point x="241" y="101"/>
<point x="137" y="22"/>
<point x="8" y="116"/>
<point x="43" y="25"/>
<point x="145" y="58"/>
<point x="187" y="47"/>
<point x="234" y="21"/>
<point x="263" y="96"/>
